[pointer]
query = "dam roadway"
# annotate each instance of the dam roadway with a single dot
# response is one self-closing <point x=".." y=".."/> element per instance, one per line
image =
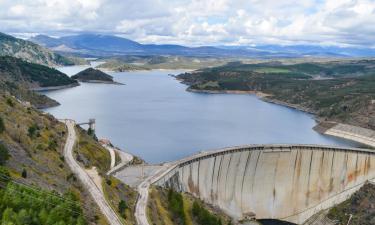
<point x="286" y="182"/>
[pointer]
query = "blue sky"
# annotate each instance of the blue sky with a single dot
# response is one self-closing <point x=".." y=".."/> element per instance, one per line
<point x="199" y="22"/>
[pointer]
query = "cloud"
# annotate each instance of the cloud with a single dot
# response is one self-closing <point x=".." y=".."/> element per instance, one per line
<point x="199" y="22"/>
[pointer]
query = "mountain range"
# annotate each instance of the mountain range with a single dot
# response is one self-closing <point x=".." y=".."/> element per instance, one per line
<point x="108" y="45"/>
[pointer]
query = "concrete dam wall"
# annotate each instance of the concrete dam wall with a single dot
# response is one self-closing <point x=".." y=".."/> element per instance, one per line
<point x="284" y="182"/>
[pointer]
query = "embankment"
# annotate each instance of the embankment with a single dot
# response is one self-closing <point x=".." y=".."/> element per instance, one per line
<point x="349" y="132"/>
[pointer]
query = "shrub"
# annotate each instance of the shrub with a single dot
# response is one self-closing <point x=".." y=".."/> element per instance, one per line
<point x="176" y="205"/>
<point x="4" y="154"/>
<point x="2" y="125"/>
<point x="24" y="173"/>
<point x="10" y="102"/>
<point x="122" y="206"/>
<point x="32" y="130"/>
<point x="203" y="216"/>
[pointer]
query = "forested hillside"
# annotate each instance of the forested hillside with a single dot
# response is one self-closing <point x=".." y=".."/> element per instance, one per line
<point x="36" y="185"/>
<point x="341" y="90"/>
<point x="18" y="77"/>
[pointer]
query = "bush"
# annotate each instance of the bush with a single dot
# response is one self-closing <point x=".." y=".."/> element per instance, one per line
<point x="24" y="173"/>
<point x="32" y="130"/>
<point x="10" y="102"/>
<point x="2" y="125"/>
<point x="122" y="206"/>
<point x="176" y="205"/>
<point x="203" y="216"/>
<point x="4" y="154"/>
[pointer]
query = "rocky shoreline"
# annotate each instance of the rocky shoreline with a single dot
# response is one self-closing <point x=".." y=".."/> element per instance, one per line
<point x="101" y="82"/>
<point x="52" y="88"/>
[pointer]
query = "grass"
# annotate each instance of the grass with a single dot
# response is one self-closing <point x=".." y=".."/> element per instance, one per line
<point x="271" y="70"/>
<point x="40" y="154"/>
<point x="90" y="153"/>
<point x="160" y="213"/>
<point x="115" y="191"/>
<point x="348" y="96"/>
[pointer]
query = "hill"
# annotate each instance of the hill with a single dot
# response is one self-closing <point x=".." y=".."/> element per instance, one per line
<point x="31" y="52"/>
<point x="109" y="45"/>
<point x="91" y="74"/>
<point x="342" y="91"/>
<point x="19" y="78"/>
<point x="35" y="182"/>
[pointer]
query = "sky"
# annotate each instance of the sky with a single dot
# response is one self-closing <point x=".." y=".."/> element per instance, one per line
<point x="198" y="22"/>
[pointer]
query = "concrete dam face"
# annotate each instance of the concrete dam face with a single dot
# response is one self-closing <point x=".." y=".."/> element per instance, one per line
<point x="289" y="183"/>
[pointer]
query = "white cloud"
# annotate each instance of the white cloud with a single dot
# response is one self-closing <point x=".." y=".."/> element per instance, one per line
<point x="199" y="22"/>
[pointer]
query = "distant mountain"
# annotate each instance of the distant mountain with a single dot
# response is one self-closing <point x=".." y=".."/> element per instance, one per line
<point x="107" y="45"/>
<point x="31" y="52"/>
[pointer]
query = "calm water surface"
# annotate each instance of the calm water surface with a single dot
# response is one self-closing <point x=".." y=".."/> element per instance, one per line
<point x="154" y="117"/>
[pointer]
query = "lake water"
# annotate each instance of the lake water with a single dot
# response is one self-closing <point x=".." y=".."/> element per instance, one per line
<point x="152" y="116"/>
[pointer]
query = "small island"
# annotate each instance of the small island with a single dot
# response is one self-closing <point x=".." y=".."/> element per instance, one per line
<point x="91" y="75"/>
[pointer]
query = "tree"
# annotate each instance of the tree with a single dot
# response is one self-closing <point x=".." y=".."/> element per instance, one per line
<point x="2" y="126"/>
<point x="4" y="154"/>
<point x="122" y="206"/>
<point x="24" y="173"/>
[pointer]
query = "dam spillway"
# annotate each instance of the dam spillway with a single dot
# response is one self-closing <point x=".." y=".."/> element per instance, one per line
<point x="286" y="182"/>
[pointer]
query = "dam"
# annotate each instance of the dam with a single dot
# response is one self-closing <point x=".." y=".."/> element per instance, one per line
<point x="284" y="182"/>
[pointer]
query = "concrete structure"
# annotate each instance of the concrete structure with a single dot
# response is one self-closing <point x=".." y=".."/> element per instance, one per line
<point x="286" y="182"/>
<point x="357" y="134"/>
<point x="91" y="124"/>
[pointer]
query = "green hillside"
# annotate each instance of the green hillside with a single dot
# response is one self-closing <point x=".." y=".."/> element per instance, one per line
<point x="340" y="90"/>
<point x="18" y="77"/>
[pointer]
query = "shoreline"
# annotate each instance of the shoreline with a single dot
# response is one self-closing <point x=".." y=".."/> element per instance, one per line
<point x="357" y="134"/>
<point x="100" y="82"/>
<point x="53" y="88"/>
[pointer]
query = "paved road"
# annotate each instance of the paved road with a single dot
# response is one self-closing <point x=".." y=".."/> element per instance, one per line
<point x="143" y="188"/>
<point x="84" y="177"/>
<point x="124" y="156"/>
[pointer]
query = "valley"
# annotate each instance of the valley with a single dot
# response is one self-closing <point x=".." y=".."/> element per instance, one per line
<point x="228" y="96"/>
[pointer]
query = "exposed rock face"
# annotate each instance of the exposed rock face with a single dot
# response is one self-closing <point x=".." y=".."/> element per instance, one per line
<point x="28" y="51"/>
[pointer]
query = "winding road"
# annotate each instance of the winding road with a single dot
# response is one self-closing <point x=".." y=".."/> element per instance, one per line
<point x="87" y="182"/>
<point x="143" y="188"/>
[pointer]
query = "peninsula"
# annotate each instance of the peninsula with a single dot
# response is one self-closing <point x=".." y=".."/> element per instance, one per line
<point x="91" y="75"/>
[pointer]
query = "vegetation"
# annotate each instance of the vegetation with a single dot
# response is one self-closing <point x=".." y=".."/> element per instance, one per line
<point x="17" y="77"/>
<point x="130" y="63"/>
<point x="91" y="74"/>
<point x="35" y="157"/>
<point x="203" y="216"/>
<point x="359" y="205"/>
<point x="167" y="207"/>
<point x="2" y="126"/>
<point x="90" y="153"/>
<point x="4" y="154"/>
<point x="28" y="51"/>
<point x="30" y="74"/>
<point x="122" y="199"/>
<point x="176" y="206"/>
<point x="341" y="91"/>
<point x="21" y="205"/>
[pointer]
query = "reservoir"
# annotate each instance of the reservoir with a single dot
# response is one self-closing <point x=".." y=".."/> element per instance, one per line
<point x="152" y="116"/>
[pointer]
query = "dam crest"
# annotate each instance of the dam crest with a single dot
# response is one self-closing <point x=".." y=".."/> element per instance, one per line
<point x="285" y="182"/>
